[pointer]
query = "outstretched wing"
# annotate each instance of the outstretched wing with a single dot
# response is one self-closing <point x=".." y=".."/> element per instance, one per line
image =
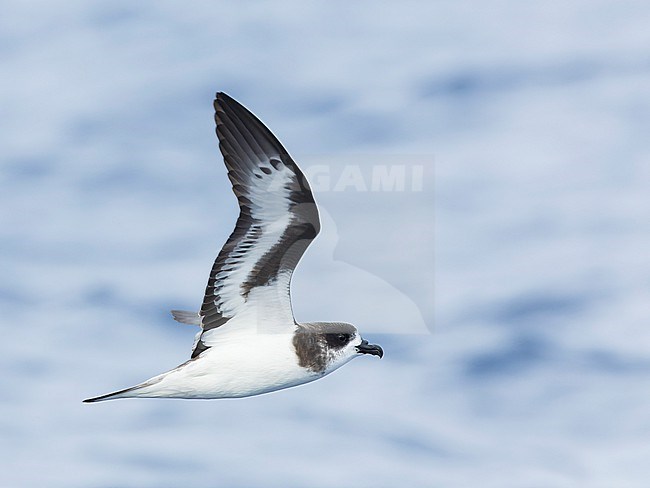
<point x="278" y="219"/>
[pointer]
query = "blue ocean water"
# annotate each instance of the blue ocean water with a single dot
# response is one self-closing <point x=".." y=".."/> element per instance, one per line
<point x="509" y="288"/>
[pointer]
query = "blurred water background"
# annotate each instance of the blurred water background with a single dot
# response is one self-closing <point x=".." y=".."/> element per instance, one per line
<point x="509" y="286"/>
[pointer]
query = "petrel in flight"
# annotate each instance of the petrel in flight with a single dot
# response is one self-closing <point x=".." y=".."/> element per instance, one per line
<point x="249" y="342"/>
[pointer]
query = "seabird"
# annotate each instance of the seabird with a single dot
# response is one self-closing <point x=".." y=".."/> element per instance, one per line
<point x="249" y="342"/>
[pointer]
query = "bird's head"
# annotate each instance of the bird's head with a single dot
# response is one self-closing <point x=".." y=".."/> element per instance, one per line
<point x="326" y="346"/>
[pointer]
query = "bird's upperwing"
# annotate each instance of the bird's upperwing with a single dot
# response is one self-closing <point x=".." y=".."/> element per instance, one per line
<point x="278" y="219"/>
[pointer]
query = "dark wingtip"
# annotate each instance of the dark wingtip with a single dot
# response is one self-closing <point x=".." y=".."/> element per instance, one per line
<point x="221" y="97"/>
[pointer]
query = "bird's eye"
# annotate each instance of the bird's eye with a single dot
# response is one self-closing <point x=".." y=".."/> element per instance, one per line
<point x="338" y="340"/>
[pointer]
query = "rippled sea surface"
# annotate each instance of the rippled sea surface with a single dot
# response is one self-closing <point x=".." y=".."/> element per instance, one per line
<point x="505" y="270"/>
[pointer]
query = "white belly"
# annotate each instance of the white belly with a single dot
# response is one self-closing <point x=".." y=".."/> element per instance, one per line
<point x="240" y="367"/>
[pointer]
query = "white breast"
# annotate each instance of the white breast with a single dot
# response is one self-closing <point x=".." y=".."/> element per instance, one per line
<point x="239" y="365"/>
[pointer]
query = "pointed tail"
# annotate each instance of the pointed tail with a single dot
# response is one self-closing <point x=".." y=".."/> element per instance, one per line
<point x="184" y="317"/>
<point x="131" y="392"/>
<point x="114" y="395"/>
